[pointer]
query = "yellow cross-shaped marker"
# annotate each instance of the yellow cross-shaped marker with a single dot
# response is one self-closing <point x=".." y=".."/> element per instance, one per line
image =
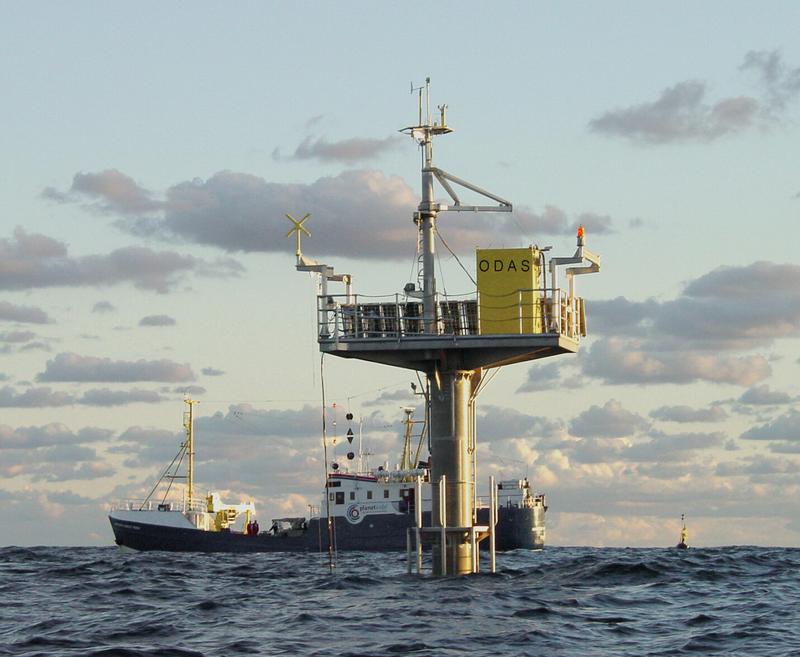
<point x="297" y="228"/>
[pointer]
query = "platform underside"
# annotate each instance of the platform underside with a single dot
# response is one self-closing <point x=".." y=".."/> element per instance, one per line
<point x="451" y="352"/>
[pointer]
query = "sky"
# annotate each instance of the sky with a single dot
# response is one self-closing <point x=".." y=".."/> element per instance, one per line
<point x="149" y="152"/>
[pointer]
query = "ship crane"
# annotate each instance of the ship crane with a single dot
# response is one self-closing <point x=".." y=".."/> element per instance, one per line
<point x="516" y="315"/>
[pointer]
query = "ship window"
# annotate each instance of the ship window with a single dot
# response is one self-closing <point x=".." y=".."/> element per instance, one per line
<point x="330" y="496"/>
<point x="334" y="484"/>
<point x="385" y="492"/>
<point x="340" y="497"/>
<point x="369" y="494"/>
<point x="352" y="495"/>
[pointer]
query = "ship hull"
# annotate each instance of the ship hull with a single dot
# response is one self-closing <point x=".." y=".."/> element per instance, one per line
<point x="376" y="533"/>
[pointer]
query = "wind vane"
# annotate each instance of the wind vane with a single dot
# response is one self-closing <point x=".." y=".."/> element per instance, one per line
<point x="297" y="229"/>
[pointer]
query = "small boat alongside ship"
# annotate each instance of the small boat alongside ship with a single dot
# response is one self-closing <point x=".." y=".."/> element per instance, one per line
<point x="371" y="510"/>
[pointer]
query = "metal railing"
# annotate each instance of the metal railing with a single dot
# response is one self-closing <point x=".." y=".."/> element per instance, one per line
<point x="196" y="504"/>
<point x="523" y="312"/>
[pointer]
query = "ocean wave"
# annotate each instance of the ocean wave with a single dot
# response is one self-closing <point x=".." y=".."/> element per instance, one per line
<point x="63" y="602"/>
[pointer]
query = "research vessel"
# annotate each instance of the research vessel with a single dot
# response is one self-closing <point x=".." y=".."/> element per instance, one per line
<point x="360" y="509"/>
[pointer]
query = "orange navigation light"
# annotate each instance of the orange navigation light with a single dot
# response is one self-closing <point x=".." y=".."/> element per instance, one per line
<point x="581" y="231"/>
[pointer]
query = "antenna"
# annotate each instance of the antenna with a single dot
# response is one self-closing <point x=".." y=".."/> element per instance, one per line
<point x="419" y="89"/>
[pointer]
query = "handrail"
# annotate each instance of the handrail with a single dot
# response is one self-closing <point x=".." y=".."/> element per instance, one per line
<point x="534" y="311"/>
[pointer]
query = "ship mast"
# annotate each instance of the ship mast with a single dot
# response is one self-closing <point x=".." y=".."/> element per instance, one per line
<point x="188" y="425"/>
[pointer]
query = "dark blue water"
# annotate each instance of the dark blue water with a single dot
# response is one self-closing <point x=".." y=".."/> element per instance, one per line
<point x="561" y="601"/>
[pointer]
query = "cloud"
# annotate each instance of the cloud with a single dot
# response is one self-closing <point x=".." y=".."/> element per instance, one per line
<point x="672" y="447"/>
<point x="551" y="221"/>
<point x="35" y="346"/>
<point x="190" y="390"/>
<point x="619" y="361"/>
<point x="713" y="310"/>
<point x="22" y="314"/>
<point x="245" y="419"/>
<point x="610" y="421"/>
<point x="17" y="336"/>
<point x="681" y="113"/>
<point x="157" y="320"/>
<point x="780" y="83"/>
<point x="242" y="434"/>
<point x="499" y="423"/>
<point x="110" y="190"/>
<point x="147" y="447"/>
<point x="361" y="214"/>
<point x="43" y="397"/>
<point x="403" y="397"/>
<point x="686" y="339"/>
<point x="104" y="307"/>
<point x="762" y="395"/>
<point x="30" y="261"/>
<point x="73" y="367"/>
<point x="785" y="428"/>
<point x="212" y="371"/>
<point x="48" y="435"/>
<point x="106" y="397"/>
<point x="62" y="462"/>
<point x="34" y="398"/>
<point x="85" y="471"/>
<point x="356" y="212"/>
<point x="757" y="465"/>
<point x="688" y="414"/>
<point x="542" y="377"/>
<point x="347" y="150"/>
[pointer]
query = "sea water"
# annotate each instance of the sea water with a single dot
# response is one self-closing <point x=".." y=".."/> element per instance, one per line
<point x="559" y="601"/>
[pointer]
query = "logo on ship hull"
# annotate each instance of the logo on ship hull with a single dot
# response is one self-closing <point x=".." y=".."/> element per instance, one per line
<point x="356" y="512"/>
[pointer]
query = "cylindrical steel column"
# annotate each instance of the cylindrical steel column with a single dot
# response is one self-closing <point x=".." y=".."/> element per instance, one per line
<point x="450" y="440"/>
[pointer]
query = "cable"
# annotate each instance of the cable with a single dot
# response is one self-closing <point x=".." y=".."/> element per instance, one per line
<point x="447" y="246"/>
<point x="331" y="562"/>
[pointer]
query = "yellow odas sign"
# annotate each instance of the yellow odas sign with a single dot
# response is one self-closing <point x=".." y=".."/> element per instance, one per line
<point x="509" y="294"/>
